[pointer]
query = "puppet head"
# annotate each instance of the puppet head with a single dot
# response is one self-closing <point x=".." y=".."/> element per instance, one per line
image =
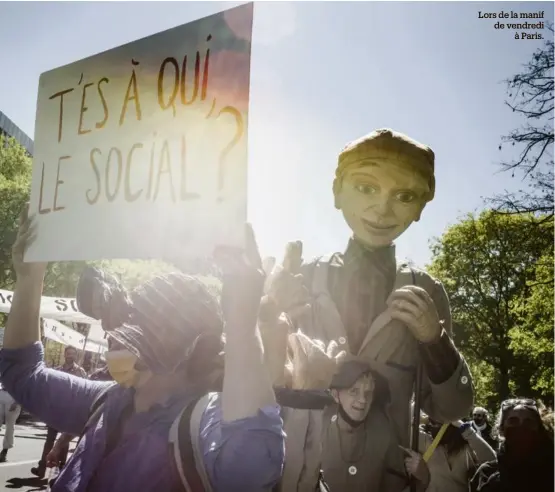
<point x="382" y="183"/>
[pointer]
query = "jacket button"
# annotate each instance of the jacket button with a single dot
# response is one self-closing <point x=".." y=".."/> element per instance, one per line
<point x="342" y="340"/>
<point x="464" y="380"/>
<point x="353" y="470"/>
<point x="334" y="418"/>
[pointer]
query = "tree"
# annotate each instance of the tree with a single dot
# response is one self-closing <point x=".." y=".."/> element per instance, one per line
<point x="532" y="338"/>
<point x="15" y="175"/>
<point x="495" y="269"/>
<point x="531" y="95"/>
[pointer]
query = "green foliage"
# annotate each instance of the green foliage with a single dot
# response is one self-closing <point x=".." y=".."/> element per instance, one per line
<point x="498" y="272"/>
<point x="15" y="175"/>
<point x="532" y="338"/>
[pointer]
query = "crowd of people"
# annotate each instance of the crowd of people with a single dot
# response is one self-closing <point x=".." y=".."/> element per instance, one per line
<point x="301" y="377"/>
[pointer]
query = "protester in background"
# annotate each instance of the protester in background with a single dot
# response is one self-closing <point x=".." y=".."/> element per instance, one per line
<point x="9" y="413"/>
<point x="459" y="454"/>
<point x="69" y="366"/>
<point x="172" y="331"/>
<point x="525" y="458"/>
<point x="480" y="423"/>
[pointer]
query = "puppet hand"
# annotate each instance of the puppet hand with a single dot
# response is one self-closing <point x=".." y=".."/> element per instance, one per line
<point x="312" y="364"/>
<point x="414" y="307"/>
<point x="416" y="466"/>
<point x="285" y="285"/>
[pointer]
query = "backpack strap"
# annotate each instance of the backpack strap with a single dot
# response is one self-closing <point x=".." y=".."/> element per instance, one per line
<point x="194" y="432"/>
<point x="184" y="442"/>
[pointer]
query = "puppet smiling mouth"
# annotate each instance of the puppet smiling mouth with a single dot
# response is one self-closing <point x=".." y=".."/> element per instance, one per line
<point x="378" y="227"/>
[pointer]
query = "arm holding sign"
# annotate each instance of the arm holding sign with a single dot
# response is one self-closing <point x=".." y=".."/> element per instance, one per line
<point x="23" y="325"/>
<point x="246" y="449"/>
<point x="59" y="399"/>
<point x="247" y="385"/>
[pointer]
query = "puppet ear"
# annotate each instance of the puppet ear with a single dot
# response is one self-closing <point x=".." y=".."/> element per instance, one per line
<point x="337" y="193"/>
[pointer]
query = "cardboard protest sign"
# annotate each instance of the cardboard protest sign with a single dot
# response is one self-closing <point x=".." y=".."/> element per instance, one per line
<point x="141" y="151"/>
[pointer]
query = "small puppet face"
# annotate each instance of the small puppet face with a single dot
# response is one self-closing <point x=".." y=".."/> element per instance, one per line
<point x="357" y="399"/>
<point x="380" y="199"/>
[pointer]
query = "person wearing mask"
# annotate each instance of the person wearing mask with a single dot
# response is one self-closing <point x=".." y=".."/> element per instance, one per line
<point x="370" y="304"/>
<point x="9" y="413"/>
<point x="480" y="423"/>
<point x="358" y="435"/>
<point x="356" y="399"/>
<point x="69" y="366"/>
<point x="525" y="457"/>
<point x="457" y="457"/>
<point x="172" y="329"/>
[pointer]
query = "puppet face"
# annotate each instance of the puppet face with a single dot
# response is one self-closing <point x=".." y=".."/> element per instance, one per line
<point x="357" y="399"/>
<point x="380" y="199"/>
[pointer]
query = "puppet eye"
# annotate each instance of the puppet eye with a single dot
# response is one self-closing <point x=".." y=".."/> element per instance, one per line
<point x="365" y="189"/>
<point x="405" y="196"/>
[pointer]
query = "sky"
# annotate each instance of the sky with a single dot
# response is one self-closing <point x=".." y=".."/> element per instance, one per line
<point x="322" y="74"/>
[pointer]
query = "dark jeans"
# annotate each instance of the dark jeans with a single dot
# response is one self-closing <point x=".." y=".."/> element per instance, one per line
<point x="48" y="445"/>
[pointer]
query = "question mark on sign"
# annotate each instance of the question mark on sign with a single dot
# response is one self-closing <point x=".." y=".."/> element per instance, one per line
<point x="228" y="148"/>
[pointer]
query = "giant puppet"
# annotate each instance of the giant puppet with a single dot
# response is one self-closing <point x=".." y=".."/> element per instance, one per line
<point x="395" y="316"/>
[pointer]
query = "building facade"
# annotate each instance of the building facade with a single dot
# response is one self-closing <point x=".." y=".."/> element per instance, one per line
<point x="10" y="129"/>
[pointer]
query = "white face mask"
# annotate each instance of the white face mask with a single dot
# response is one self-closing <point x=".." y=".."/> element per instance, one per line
<point x="121" y="365"/>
